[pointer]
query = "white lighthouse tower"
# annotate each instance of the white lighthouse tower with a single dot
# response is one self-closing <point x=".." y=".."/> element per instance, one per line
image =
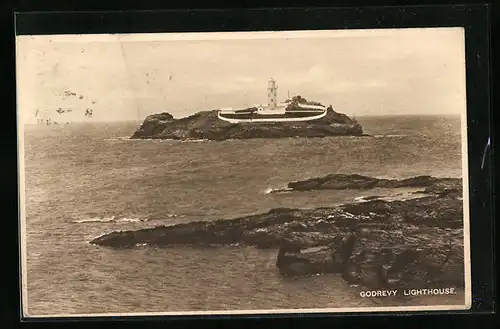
<point x="272" y="89"/>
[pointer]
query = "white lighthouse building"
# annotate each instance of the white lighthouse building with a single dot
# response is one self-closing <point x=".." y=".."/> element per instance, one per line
<point x="272" y="90"/>
<point x="274" y="111"/>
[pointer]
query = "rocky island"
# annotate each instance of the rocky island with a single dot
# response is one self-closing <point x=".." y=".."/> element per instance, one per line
<point x="208" y="125"/>
<point x="416" y="242"/>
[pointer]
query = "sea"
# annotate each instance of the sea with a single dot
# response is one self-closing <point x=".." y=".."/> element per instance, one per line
<point x="84" y="180"/>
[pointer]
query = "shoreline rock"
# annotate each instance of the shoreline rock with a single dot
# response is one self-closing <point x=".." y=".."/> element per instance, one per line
<point x="355" y="181"/>
<point x="415" y="243"/>
<point x="206" y="125"/>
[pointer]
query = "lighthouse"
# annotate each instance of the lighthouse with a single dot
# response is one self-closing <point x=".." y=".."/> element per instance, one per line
<point x="274" y="112"/>
<point x="271" y="94"/>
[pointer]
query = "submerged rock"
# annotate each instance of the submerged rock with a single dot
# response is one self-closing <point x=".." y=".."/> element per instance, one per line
<point x="378" y="244"/>
<point x="206" y="125"/>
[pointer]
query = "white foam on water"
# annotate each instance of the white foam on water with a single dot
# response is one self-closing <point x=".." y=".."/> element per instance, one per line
<point x="95" y="220"/>
<point x="122" y="219"/>
<point x="366" y="198"/>
<point x="123" y="138"/>
<point x="138" y="140"/>
<point x="403" y="197"/>
<point x="130" y="220"/>
<point x="195" y="140"/>
<point x="390" y="136"/>
<point x="270" y="190"/>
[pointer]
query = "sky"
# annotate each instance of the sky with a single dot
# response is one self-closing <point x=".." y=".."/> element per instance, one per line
<point x="129" y="76"/>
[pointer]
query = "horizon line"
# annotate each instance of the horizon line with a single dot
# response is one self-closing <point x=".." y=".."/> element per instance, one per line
<point x="142" y="119"/>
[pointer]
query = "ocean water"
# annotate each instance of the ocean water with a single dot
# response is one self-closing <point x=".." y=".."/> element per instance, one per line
<point x="84" y="180"/>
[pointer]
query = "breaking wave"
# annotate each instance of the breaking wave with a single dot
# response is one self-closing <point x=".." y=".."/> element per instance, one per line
<point x="109" y="220"/>
<point x="366" y="198"/>
<point x="124" y="138"/>
<point x="117" y="219"/>
<point x="390" y="136"/>
<point x="195" y="140"/>
<point x="271" y="190"/>
<point x="392" y="197"/>
<point x="94" y="220"/>
<point x="129" y="139"/>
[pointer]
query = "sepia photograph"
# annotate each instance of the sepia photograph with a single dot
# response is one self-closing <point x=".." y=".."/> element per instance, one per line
<point x="243" y="172"/>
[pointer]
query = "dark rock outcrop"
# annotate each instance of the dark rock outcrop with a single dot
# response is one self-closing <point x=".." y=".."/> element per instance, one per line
<point x="354" y="181"/>
<point x="378" y="244"/>
<point x="206" y="125"/>
<point x="154" y="123"/>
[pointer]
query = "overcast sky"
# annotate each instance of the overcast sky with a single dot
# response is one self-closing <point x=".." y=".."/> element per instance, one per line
<point x="126" y="77"/>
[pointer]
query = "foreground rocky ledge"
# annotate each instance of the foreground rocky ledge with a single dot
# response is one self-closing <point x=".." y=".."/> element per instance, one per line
<point x="417" y="243"/>
<point x="206" y="125"/>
